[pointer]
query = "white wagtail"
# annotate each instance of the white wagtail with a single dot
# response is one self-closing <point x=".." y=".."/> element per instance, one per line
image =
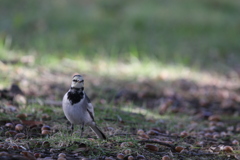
<point x="78" y="108"/>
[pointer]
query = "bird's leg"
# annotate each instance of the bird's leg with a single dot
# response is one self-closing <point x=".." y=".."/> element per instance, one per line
<point x="82" y="129"/>
<point x="72" y="128"/>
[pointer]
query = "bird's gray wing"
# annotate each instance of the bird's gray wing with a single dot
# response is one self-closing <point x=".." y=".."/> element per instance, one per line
<point x="88" y="100"/>
<point x="90" y="108"/>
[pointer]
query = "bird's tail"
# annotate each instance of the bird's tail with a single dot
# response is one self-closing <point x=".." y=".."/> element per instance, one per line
<point x="98" y="132"/>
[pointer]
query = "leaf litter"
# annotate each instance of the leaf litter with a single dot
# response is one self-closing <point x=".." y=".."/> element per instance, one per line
<point x="210" y="131"/>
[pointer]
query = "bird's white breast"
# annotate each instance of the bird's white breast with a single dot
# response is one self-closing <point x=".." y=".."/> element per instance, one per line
<point x="77" y="113"/>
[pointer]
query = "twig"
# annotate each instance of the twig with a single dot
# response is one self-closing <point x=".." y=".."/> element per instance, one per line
<point x="161" y="143"/>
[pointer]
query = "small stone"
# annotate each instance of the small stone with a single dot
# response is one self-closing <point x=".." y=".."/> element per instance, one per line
<point x="223" y="134"/>
<point x="227" y="149"/>
<point x="46" y="127"/>
<point x="166" y="157"/>
<point x="143" y="136"/>
<point x="130" y="158"/>
<point x="179" y="148"/>
<point x="184" y="151"/>
<point x="127" y="151"/>
<point x="9" y="125"/>
<point x="22" y="116"/>
<point x="10" y="133"/>
<point x="46" y="144"/>
<point x="235" y="142"/>
<point x="45" y="132"/>
<point x="120" y="156"/>
<point x="4" y="153"/>
<point x="19" y="127"/>
<point x="183" y="134"/>
<point x="140" y="131"/>
<point x="199" y="143"/>
<point x="140" y="157"/>
<point x="151" y="147"/>
<point x="62" y="155"/>
<point x="152" y="132"/>
<point x="126" y="144"/>
<point x="19" y="136"/>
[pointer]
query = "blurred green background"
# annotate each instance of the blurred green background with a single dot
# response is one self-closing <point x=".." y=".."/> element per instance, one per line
<point x="202" y="34"/>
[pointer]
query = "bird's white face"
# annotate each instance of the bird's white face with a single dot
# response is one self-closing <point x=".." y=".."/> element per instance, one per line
<point x="77" y="81"/>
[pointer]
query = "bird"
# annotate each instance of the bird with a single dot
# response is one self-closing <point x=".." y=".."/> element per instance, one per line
<point x="78" y="108"/>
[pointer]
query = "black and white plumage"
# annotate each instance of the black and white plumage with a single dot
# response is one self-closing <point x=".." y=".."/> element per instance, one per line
<point x="78" y="108"/>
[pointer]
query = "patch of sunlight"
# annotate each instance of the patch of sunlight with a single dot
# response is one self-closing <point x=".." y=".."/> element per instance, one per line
<point x="132" y="69"/>
<point x="146" y="112"/>
<point x="141" y="70"/>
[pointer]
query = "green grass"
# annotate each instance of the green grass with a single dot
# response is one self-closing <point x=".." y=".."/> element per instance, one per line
<point x="133" y="117"/>
<point x="62" y="138"/>
<point x="194" y="33"/>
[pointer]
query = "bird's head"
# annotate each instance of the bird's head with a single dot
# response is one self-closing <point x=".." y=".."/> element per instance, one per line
<point x="77" y="82"/>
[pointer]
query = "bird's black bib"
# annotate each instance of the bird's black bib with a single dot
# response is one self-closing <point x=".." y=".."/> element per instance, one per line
<point x="75" y="95"/>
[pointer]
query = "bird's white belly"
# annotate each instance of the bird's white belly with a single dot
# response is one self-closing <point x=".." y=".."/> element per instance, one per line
<point x="75" y="116"/>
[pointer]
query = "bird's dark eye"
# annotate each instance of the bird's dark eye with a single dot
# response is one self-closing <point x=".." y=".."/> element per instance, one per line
<point x="82" y="81"/>
<point x="74" y="80"/>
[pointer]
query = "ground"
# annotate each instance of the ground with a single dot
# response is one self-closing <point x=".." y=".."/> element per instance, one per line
<point x="148" y="117"/>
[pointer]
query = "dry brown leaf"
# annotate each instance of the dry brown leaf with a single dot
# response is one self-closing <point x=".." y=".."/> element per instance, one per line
<point x="151" y="147"/>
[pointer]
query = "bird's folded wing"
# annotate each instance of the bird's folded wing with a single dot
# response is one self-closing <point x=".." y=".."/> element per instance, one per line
<point x="90" y="108"/>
